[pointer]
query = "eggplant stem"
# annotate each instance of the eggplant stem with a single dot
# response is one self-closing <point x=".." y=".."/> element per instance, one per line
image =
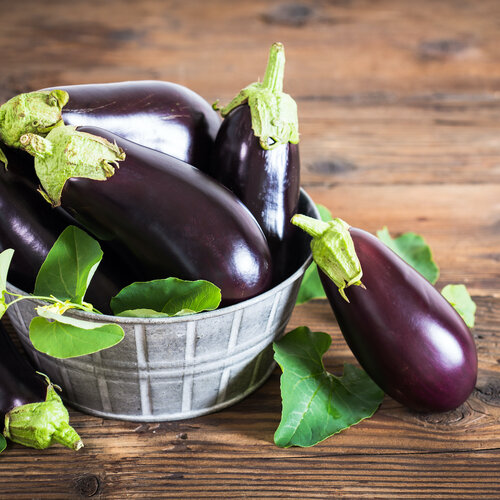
<point x="275" y="70"/>
<point x="313" y="227"/>
<point x="333" y="250"/>
<point x="274" y="114"/>
<point x="67" y="436"/>
<point x="36" y="145"/>
<point x="62" y="306"/>
<point x="48" y="381"/>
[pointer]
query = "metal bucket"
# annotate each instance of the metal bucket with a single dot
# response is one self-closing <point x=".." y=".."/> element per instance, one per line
<point x="174" y="368"/>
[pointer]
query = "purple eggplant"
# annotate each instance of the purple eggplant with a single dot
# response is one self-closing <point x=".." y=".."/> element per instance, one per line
<point x="160" y="115"/>
<point x="30" y="226"/>
<point x="32" y="411"/>
<point x="256" y="156"/>
<point x="174" y="219"/>
<point x="403" y="332"/>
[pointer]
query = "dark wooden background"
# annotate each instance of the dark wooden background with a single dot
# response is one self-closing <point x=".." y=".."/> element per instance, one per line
<point x="399" y="105"/>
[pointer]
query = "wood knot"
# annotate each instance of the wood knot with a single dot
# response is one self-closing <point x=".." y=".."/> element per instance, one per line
<point x="336" y="165"/>
<point x="444" y="48"/>
<point x="123" y="35"/>
<point x="489" y="392"/>
<point x="87" y="485"/>
<point x="182" y="435"/>
<point x="448" y="418"/>
<point x="175" y="475"/>
<point x="292" y="14"/>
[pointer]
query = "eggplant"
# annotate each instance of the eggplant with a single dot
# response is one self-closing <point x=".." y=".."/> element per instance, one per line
<point x="174" y="219"/>
<point x="256" y="155"/>
<point x="403" y="332"/>
<point x="30" y="226"/>
<point x="32" y="411"/>
<point x="160" y="115"/>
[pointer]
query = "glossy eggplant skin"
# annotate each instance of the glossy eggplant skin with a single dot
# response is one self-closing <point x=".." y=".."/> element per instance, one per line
<point x="28" y="223"/>
<point x="30" y="226"/>
<point x="266" y="181"/>
<point x="403" y="332"/>
<point x="174" y="219"/>
<point x="159" y="115"/>
<point x="19" y="383"/>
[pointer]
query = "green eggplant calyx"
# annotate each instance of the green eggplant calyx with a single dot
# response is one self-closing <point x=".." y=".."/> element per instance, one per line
<point x="274" y="113"/>
<point x="31" y="113"/>
<point x="39" y="425"/>
<point x="73" y="154"/>
<point x="333" y="250"/>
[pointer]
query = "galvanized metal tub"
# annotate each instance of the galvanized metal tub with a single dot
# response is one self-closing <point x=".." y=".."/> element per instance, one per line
<point x="174" y="368"/>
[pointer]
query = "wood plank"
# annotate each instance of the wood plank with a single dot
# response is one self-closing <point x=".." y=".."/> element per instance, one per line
<point x="216" y="47"/>
<point x="429" y="141"/>
<point x="143" y="473"/>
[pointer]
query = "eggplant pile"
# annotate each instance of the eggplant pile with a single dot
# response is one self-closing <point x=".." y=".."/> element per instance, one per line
<point x="169" y="190"/>
<point x="171" y="217"/>
<point x="144" y="168"/>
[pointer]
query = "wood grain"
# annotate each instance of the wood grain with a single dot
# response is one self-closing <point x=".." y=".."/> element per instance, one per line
<point x="399" y="106"/>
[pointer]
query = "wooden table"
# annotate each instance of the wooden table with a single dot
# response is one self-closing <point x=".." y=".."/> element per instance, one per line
<point x="399" y="105"/>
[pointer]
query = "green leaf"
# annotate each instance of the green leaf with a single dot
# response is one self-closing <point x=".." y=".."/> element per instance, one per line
<point x="311" y="287"/>
<point x="324" y="213"/>
<point x="3" y="443"/>
<point x="460" y="299"/>
<point x="142" y="313"/>
<point x="5" y="258"/>
<point x="317" y="404"/>
<point x="69" y="266"/>
<point x="64" y="337"/>
<point x="166" y="297"/>
<point x="413" y="249"/>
